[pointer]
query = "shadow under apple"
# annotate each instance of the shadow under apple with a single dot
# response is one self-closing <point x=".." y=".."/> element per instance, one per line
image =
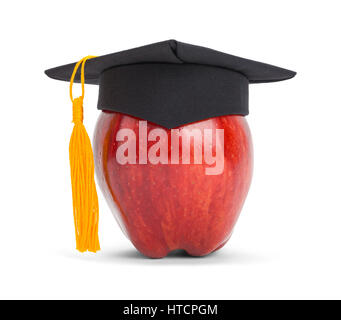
<point x="176" y="257"/>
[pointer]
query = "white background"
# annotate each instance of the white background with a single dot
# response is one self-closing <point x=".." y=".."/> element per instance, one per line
<point x="287" y="243"/>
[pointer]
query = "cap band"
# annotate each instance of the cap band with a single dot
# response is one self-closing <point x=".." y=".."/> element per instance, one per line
<point x="172" y="95"/>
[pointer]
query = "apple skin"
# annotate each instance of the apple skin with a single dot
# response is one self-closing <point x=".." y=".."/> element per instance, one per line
<point x="165" y="207"/>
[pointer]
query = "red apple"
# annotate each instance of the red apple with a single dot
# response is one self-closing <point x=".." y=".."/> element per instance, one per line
<point x="164" y="207"/>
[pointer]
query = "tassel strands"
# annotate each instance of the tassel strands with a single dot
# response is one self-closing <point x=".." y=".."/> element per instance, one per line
<point x="84" y="194"/>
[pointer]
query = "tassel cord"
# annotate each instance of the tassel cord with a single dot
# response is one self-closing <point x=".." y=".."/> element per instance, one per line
<point x="84" y="194"/>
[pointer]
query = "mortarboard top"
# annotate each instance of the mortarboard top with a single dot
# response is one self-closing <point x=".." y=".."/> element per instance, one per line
<point x="172" y="83"/>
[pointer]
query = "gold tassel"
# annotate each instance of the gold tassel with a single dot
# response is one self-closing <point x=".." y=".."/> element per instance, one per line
<point x="84" y="194"/>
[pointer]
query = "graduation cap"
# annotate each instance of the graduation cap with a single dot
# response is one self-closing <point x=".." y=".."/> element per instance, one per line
<point x="172" y="83"/>
<point x="169" y="83"/>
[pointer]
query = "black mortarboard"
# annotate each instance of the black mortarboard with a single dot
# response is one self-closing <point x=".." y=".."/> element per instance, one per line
<point x="171" y="83"/>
